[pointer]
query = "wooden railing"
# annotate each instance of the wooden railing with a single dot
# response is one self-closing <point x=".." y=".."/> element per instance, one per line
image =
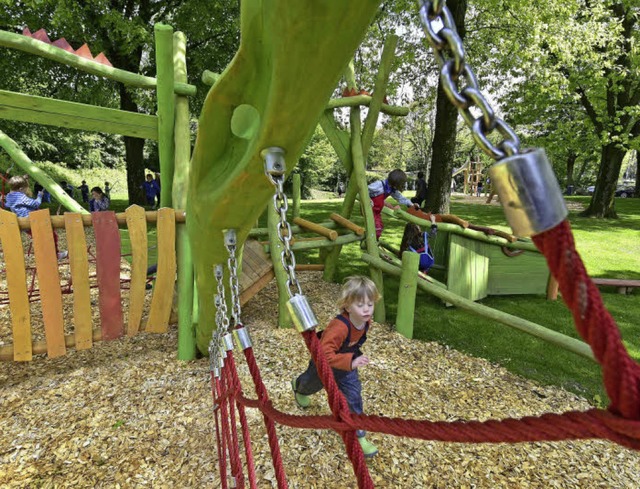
<point x="106" y="226"/>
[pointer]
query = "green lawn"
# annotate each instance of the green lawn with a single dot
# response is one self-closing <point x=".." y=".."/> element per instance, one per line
<point x="609" y="248"/>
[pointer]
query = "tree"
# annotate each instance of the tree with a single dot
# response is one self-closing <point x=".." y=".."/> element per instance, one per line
<point x="573" y="64"/>
<point x="123" y="30"/>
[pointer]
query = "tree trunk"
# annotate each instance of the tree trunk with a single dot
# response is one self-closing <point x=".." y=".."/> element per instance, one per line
<point x="133" y="153"/>
<point x="444" y="138"/>
<point x="603" y="203"/>
<point x="571" y="163"/>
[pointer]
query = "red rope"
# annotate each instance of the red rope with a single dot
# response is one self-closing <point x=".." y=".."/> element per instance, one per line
<point x="234" y="448"/>
<point x="594" y="323"/>
<point x="340" y="409"/>
<point x="236" y="387"/>
<point x="222" y="461"/>
<point x="263" y="396"/>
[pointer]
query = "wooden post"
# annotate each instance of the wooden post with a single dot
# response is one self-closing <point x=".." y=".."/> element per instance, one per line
<point x="407" y="293"/>
<point x="276" y="247"/>
<point x="166" y="109"/>
<point x="182" y="143"/>
<point x="552" y="288"/>
<point x="331" y="234"/>
<point x="296" y="195"/>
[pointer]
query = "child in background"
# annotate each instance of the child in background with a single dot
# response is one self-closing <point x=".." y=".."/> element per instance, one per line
<point x="107" y="190"/>
<point x="381" y="189"/>
<point x="416" y="240"/>
<point x="341" y="341"/>
<point x="20" y="202"/>
<point x="84" y="190"/>
<point x="150" y="190"/>
<point x="99" y="201"/>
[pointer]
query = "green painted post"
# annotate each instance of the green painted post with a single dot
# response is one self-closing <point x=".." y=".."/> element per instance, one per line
<point x="407" y="293"/>
<point x="182" y="143"/>
<point x="166" y="109"/>
<point x="276" y="248"/>
<point x="23" y="161"/>
<point x="296" y="195"/>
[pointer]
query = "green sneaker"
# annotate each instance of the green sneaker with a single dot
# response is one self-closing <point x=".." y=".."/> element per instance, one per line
<point x="369" y="449"/>
<point x="301" y="400"/>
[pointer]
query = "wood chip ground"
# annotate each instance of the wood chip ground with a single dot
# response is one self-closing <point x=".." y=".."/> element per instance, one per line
<point x="128" y="414"/>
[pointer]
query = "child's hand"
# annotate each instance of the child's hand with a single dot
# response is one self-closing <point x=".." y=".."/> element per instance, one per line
<point x="359" y="362"/>
<point x="416" y="207"/>
<point x="41" y="193"/>
<point x="433" y="218"/>
<point x="396" y="207"/>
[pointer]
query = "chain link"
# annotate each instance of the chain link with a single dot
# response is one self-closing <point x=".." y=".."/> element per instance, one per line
<point x="234" y="287"/>
<point x="222" y="316"/>
<point x="446" y="41"/>
<point x="287" y="256"/>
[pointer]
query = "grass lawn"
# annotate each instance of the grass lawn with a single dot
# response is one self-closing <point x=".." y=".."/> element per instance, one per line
<point x="609" y="248"/>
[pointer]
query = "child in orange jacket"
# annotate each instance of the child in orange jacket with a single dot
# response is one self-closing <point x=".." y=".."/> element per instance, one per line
<point x="341" y="341"/>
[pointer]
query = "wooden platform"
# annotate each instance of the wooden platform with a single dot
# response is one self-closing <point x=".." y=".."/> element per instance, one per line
<point x="257" y="270"/>
<point x="625" y="286"/>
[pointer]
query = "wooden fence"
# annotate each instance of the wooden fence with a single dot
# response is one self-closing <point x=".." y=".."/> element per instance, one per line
<point x="106" y="226"/>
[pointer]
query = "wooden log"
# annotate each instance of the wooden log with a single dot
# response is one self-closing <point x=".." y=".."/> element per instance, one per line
<point x="39" y="347"/>
<point x="108" y="273"/>
<point x="33" y="46"/>
<point x="165" y="100"/>
<point x="346" y="223"/>
<point x="19" y="309"/>
<point x="48" y="281"/>
<point x="316" y="228"/>
<point x="566" y="342"/>
<point x="296" y="196"/>
<point x="552" y="288"/>
<point x="365" y="101"/>
<point x="164" y="286"/>
<point x="137" y="227"/>
<point x="624" y="285"/>
<point x="73" y="115"/>
<point x="182" y="138"/>
<point x="79" y="264"/>
<point x="407" y="293"/>
<point x="338" y="138"/>
<point x="309" y="267"/>
<point x="57" y="222"/>
<point x="256" y="232"/>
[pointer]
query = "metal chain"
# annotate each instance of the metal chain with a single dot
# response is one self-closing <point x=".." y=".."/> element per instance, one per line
<point x="446" y="41"/>
<point x="222" y="318"/>
<point x="232" y="263"/>
<point x="281" y="206"/>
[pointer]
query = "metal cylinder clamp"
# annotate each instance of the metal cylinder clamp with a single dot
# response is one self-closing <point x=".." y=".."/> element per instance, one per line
<point x="274" y="162"/>
<point x="242" y="337"/>
<point x="228" y="341"/>
<point x="529" y="192"/>
<point x="301" y="313"/>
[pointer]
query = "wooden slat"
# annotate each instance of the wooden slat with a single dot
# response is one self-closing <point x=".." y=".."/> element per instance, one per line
<point x="108" y="271"/>
<point x="48" y="282"/>
<point x="79" y="263"/>
<point x="137" y="226"/>
<point x="162" y="299"/>
<point x="256" y="287"/>
<point x="17" y="286"/>
<point x="74" y="115"/>
<point x="58" y="221"/>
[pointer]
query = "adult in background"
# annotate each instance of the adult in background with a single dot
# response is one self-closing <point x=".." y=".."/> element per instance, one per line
<point x="421" y="190"/>
<point x="99" y="201"/>
<point x="84" y="190"/>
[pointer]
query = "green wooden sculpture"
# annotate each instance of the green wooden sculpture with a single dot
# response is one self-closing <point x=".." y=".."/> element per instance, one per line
<point x="291" y="56"/>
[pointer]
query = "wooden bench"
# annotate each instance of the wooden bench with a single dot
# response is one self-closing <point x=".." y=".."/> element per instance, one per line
<point x="625" y="286"/>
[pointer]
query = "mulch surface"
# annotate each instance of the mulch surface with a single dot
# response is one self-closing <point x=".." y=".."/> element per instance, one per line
<point x="128" y="414"/>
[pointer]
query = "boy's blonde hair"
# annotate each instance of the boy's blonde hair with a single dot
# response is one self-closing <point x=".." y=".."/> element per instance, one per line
<point x="355" y="288"/>
<point x="19" y="182"/>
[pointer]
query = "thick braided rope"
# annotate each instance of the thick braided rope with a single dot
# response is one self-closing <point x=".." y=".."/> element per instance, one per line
<point x="222" y="458"/>
<point x="593" y="322"/>
<point x="263" y="396"/>
<point x="234" y="451"/>
<point x="226" y="428"/>
<point x="236" y="388"/>
<point x="339" y="408"/>
<point x="572" y="425"/>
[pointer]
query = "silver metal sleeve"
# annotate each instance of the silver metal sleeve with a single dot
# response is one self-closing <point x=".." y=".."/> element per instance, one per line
<point x="242" y="337"/>
<point x="301" y="314"/>
<point x="529" y="192"/>
<point x="228" y="341"/>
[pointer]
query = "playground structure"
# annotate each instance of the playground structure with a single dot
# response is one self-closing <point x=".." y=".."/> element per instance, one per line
<point x="241" y="130"/>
